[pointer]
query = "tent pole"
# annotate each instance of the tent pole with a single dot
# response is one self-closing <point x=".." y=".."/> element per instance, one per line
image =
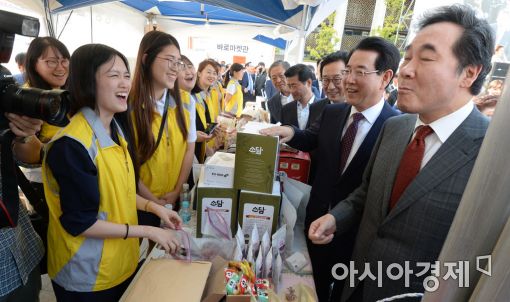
<point x="48" y="18"/>
<point x="91" y="26"/>
<point x="302" y="34"/>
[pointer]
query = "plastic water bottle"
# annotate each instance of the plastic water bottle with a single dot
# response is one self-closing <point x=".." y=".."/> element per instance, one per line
<point x="185" y="211"/>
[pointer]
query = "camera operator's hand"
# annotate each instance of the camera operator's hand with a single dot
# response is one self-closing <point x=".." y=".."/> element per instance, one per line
<point x="27" y="147"/>
<point x="23" y="126"/>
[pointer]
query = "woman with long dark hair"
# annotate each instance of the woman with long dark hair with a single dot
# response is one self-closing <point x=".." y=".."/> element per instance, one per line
<point x="208" y="103"/>
<point x="164" y="126"/>
<point x="90" y="187"/>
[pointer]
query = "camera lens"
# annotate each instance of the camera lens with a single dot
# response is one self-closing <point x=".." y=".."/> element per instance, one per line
<point x="50" y="106"/>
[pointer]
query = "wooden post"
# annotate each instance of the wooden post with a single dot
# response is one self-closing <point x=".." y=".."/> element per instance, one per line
<point x="481" y="217"/>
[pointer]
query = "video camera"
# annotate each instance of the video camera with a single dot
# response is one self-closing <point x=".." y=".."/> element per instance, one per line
<point x="48" y="105"/>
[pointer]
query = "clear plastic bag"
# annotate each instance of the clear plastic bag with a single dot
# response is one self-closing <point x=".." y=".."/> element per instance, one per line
<point x="208" y="248"/>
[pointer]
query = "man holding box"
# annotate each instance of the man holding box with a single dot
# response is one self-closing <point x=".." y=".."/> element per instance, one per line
<point x="421" y="163"/>
<point x="344" y="137"/>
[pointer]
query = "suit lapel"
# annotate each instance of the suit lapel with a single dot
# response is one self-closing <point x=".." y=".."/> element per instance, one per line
<point x="316" y="110"/>
<point x="396" y="148"/>
<point x="365" y="149"/>
<point x="278" y="106"/>
<point x="458" y="149"/>
<point x="294" y="114"/>
<point x="339" y="126"/>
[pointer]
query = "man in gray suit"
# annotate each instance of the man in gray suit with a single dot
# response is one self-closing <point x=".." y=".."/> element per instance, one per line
<point x="421" y="162"/>
<point x="274" y="104"/>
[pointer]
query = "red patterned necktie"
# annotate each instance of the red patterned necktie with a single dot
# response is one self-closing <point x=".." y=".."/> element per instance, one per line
<point x="348" y="139"/>
<point x="409" y="164"/>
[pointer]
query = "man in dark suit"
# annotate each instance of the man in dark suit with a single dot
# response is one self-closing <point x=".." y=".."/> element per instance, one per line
<point x="421" y="163"/>
<point x="270" y="89"/>
<point x="260" y="79"/>
<point x="275" y="103"/>
<point x="343" y="152"/>
<point x="332" y="67"/>
<point x="297" y="112"/>
<point x="247" y="83"/>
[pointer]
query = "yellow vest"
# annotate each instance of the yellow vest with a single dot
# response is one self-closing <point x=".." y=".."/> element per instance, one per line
<point x="161" y="171"/>
<point x="200" y="107"/>
<point x="213" y="101"/>
<point x="235" y="104"/>
<point x="47" y="132"/>
<point x="91" y="264"/>
<point x="200" y="118"/>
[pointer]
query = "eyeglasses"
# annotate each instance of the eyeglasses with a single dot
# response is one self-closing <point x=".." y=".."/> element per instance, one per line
<point x="188" y="66"/>
<point x="357" y="73"/>
<point x="52" y="63"/>
<point x="173" y="63"/>
<point x="337" y="81"/>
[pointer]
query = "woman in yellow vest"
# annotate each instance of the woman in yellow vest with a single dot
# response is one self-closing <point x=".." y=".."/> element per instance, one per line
<point x="187" y="82"/>
<point x="206" y="89"/>
<point x="208" y="105"/>
<point x="164" y="125"/>
<point x="47" y="67"/>
<point x="234" y="92"/>
<point x="90" y="187"/>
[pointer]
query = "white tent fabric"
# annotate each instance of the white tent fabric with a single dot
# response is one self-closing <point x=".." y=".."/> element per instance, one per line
<point x="301" y="15"/>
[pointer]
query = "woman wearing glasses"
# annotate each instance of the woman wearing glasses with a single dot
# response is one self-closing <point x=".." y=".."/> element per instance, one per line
<point x="163" y="125"/>
<point x="47" y="67"/>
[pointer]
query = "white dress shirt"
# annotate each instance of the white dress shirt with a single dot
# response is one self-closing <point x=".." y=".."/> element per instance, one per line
<point x="303" y="113"/>
<point x="286" y="99"/>
<point x="443" y="128"/>
<point x="370" y="116"/>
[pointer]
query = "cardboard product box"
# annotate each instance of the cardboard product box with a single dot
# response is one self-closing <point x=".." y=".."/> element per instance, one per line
<point x="295" y="165"/>
<point x="256" y="159"/>
<point x="259" y="208"/>
<point x="215" y="286"/>
<point x="168" y="280"/>
<point x="222" y="200"/>
<point x="219" y="170"/>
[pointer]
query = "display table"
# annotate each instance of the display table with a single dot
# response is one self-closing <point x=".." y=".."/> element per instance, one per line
<point x="289" y="282"/>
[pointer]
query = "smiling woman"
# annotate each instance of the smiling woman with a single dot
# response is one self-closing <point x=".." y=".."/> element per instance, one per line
<point x="90" y="187"/>
<point x="164" y="124"/>
<point x="208" y="103"/>
<point x="47" y="67"/>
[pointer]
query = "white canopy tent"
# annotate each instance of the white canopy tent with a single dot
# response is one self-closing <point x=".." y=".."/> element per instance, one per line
<point x="291" y="20"/>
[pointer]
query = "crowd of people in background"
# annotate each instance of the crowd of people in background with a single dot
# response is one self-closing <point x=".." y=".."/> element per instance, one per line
<point x="109" y="173"/>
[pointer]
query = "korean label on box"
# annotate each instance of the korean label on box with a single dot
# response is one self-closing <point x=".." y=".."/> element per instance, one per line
<point x="259" y="214"/>
<point x="220" y="206"/>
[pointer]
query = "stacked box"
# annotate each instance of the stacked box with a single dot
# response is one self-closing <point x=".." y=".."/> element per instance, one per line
<point x="221" y="200"/>
<point x="259" y="209"/>
<point x="219" y="170"/>
<point x="256" y="160"/>
<point x="295" y="165"/>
